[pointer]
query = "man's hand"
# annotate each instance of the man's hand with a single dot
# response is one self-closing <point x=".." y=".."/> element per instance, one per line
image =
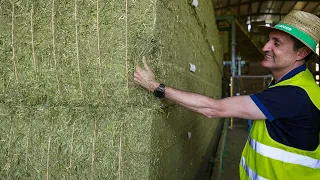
<point x="145" y="77"/>
<point x="237" y="106"/>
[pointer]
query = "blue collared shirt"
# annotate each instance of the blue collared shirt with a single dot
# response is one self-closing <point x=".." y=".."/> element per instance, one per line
<point x="293" y="119"/>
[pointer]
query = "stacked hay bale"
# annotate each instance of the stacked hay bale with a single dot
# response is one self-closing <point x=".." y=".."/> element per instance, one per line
<point x="68" y="106"/>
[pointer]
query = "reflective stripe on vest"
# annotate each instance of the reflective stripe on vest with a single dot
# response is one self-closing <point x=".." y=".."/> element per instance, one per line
<point x="251" y="174"/>
<point x="284" y="156"/>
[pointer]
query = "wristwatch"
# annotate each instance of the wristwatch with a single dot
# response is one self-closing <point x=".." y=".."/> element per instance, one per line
<point x="159" y="92"/>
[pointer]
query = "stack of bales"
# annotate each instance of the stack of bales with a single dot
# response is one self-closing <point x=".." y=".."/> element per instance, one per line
<point x="68" y="106"/>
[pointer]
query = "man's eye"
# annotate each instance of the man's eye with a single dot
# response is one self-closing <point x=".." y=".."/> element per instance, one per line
<point x="277" y="44"/>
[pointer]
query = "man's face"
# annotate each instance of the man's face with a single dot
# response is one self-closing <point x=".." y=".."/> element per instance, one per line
<point x="279" y="53"/>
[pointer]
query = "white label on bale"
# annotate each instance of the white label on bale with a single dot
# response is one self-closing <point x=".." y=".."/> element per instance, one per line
<point x="189" y="135"/>
<point x="192" y="67"/>
<point x="195" y="3"/>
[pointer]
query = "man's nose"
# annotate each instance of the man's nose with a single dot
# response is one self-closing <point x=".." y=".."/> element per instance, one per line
<point x="267" y="46"/>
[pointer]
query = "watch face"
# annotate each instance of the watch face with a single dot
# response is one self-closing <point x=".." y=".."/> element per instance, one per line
<point x="159" y="92"/>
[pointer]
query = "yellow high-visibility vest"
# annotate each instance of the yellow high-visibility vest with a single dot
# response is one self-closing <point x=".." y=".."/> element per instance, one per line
<point x="264" y="158"/>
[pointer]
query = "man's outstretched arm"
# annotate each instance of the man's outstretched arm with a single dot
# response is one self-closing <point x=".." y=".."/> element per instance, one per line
<point x="237" y="106"/>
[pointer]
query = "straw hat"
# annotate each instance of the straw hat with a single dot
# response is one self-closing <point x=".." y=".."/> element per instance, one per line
<point x="302" y="25"/>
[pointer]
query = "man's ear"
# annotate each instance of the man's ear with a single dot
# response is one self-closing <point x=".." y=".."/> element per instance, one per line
<point x="303" y="52"/>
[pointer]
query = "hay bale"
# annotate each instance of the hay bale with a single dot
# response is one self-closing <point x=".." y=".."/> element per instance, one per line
<point x="68" y="106"/>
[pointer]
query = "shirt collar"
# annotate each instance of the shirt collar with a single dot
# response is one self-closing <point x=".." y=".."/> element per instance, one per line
<point x="292" y="73"/>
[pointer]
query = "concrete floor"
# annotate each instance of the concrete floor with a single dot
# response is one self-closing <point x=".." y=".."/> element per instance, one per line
<point x="236" y="139"/>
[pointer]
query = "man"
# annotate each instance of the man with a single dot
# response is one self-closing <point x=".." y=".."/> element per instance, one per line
<point x="284" y="140"/>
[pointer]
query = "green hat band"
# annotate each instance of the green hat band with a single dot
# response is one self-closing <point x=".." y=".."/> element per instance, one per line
<point x="297" y="33"/>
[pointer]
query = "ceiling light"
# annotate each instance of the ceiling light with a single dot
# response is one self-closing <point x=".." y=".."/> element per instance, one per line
<point x="249" y="27"/>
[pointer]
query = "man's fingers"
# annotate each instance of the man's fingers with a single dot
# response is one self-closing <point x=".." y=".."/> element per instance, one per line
<point x="136" y="74"/>
<point x="136" y="80"/>
<point x="144" y="60"/>
<point x="138" y="68"/>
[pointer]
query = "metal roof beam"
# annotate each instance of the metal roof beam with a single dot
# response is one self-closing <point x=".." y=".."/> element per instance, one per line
<point x="305" y="6"/>
<point x="280" y="9"/>
<point x="315" y="7"/>
<point x="239" y="1"/>
<point x="261" y="1"/>
<point x="264" y="13"/>
<point x="294" y="4"/>
<point x="259" y="7"/>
